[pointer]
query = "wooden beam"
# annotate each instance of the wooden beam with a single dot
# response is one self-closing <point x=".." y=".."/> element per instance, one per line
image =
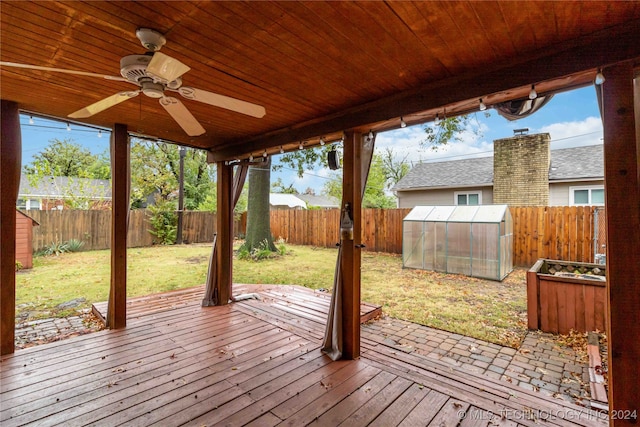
<point x="10" y="161"/>
<point x="224" y="229"/>
<point x="622" y="189"/>
<point x="120" y="177"/>
<point x="350" y="267"/>
<point x="586" y="53"/>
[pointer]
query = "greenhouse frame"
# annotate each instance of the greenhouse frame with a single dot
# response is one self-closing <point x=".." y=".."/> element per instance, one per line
<point x="475" y="241"/>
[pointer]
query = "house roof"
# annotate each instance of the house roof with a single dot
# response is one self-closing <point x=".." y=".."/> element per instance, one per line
<point x="318" y="68"/>
<point x="290" y="200"/>
<point x="60" y="187"/>
<point x="319" y="201"/>
<point x="575" y="164"/>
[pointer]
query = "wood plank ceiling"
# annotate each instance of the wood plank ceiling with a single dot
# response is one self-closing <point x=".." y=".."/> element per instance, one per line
<point x="317" y="67"/>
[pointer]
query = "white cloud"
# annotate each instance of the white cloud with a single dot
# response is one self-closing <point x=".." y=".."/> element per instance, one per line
<point x="574" y="134"/>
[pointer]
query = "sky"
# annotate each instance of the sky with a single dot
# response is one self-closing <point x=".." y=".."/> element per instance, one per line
<point x="571" y="118"/>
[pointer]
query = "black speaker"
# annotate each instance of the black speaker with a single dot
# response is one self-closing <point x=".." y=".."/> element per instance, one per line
<point x="333" y="159"/>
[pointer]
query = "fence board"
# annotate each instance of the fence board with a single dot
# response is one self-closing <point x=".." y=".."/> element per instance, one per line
<point x="557" y="232"/>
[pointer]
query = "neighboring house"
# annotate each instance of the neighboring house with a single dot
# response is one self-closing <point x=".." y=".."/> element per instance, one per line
<point x="522" y="172"/>
<point x="321" y="202"/>
<point x="301" y="201"/>
<point x="61" y="192"/>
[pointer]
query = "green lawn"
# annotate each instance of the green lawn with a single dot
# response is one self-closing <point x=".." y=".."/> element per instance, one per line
<point x="494" y="311"/>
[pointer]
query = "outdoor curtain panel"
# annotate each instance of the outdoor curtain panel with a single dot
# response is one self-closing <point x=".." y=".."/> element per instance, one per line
<point x="332" y="344"/>
<point x="210" y="293"/>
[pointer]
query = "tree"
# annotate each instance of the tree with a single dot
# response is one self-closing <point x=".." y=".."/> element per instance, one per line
<point x="443" y="131"/>
<point x="279" y="187"/>
<point x="374" y="193"/>
<point x="393" y="170"/>
<point x="155" y="169"/>
<point x="258" y="220"/>
<point x="67" y="158"/>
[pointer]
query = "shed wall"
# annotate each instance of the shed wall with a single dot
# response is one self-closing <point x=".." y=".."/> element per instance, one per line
<point x="24" y="240"/>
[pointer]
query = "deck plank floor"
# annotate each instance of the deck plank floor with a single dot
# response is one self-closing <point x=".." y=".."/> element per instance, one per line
<point x="253" y="362"/>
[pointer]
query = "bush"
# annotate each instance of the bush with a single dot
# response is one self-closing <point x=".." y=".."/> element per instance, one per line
<point x="164" y="222"/>
<point x="258" y="253"/>
<point x="18" y="265"/>
<point x="54" y="248"/>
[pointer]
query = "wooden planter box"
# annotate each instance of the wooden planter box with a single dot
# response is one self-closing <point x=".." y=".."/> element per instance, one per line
<point x="563" y="295"/>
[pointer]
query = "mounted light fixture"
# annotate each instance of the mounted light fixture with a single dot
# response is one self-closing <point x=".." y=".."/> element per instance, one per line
<point x="265" y="153"/>
<point x="599" y="77"/>
<point x="403" y="124"/>
<point x="437" y="120"/>
<point x="301" y="146"/>
<point x="482" y="106"/>
<point x="322" y="140"/>
<point x="532" y="93"/>
<point x="68" y="127"/>
<point x="251" y="157"/>
<point x="281" y="150"/>
<point x="370" y="135"/>
<point x="30" y="120"/>
<point x="99" y="134"/>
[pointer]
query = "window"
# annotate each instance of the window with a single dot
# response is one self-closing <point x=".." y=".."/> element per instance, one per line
<point x="28" y="204"/>
<point x="584" y="196"/>
<point x="470" y="198"/>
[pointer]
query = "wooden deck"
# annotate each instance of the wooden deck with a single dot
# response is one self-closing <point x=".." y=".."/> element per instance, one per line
<point x="253" y="362"/>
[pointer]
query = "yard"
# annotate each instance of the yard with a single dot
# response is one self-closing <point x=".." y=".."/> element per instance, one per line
<point x="488" y="310"/>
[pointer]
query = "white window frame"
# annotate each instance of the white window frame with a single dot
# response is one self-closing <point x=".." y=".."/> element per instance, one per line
<point x="31" y="204"/>
<point x="572" y="193"/>
<point x="467" y="193"/>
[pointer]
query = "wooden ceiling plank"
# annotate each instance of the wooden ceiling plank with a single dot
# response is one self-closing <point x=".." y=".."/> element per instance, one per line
<point x="517" y="22"/>
<point x="571" y="57"/>
<point x="420" y="62"/>
<point x="465" y="19"/>
<point x="331" y="16"/>
<point x="431" y="41"/>
<point x="493" y="26"/>
<point x="326" y="62"/>
<point x="304" y="61"/>
<point x="565" y="17"/>
<point x="543" y="23"/>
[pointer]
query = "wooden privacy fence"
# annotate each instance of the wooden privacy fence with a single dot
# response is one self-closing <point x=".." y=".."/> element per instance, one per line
<point x="93" y="227"/>
<point x="552" y="232"/>
<point x="555" y="232"/>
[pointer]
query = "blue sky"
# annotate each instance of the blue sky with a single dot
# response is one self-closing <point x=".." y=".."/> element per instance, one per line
<point x="571" y="118"/>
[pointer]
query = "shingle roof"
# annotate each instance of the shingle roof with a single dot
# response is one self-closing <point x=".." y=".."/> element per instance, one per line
<point x="319" y="201"/>
<point x="576" y="163"/>
<point x="62" y="186"/>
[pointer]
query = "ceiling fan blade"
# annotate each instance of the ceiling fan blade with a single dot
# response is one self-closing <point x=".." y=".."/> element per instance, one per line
<point x="166" y="67"/>
<point x="223" y="101"/>
<point x="103" y="105"/>
<point x="180" y="114"/>
<point x="61" y="70"/>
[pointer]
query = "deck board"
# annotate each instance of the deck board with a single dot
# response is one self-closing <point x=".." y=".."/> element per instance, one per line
<point x="253" y="362"/>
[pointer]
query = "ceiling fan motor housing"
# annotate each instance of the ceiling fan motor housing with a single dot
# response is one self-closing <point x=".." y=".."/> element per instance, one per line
<point x="133" y="67"/>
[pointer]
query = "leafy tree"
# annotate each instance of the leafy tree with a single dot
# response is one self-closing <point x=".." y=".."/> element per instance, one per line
<point x="393" y="170"/>
<point x="63" y="158"/>
<point x="279" y="187"/>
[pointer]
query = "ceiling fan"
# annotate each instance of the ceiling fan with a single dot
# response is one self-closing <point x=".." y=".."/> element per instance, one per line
<point x="156" y="73"/>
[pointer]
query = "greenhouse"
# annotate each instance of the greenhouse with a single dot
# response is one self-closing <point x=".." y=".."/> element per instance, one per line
<point x="471" y="240"/>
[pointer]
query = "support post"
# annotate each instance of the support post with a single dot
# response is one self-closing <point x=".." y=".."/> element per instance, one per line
<point x="224" y="223"/>
<point x="622" y="189"/>
<point x="179" y="239"/>
<point x="351" y="249"/>
<point x="10" y="161"/>
<point x="120" y="176"/>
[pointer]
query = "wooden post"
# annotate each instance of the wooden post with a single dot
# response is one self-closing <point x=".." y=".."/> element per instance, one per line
<point x="351" y="249"/>
<point x="224" y="220"/>
<point x="117" y="308"/>
<point x="622" y="189"/>
<point x="11" y="162"/>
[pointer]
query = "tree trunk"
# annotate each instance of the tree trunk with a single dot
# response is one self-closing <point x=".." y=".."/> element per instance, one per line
<point x="258" y="219"/>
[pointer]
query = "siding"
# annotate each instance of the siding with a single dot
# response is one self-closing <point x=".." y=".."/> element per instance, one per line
<point x="24" y="240"/>
<point x="409" y="199"/>
<point x="559" y="192"/>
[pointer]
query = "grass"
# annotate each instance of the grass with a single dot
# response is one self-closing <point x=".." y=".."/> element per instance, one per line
<point x="484" y="309"/>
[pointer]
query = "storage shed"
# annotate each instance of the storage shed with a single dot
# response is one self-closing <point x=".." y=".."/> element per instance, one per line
<point x="471" y="240"/>
<point x="24" y="239"/>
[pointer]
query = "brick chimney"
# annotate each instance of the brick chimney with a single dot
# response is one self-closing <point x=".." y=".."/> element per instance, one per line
<point x="521" y="170"/>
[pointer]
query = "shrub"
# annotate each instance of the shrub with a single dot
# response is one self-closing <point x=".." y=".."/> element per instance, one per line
<point x="164" y="222"/>
<point x="74" y="245"/>
<point x="54" y="248"/>
<point x="258" y="253"/>
<point x="18" y="265"/>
